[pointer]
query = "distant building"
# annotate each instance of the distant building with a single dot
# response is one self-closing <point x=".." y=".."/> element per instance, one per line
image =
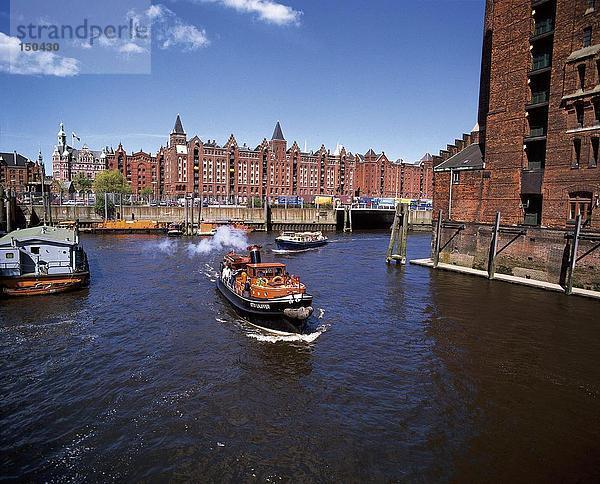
<point x="233" y="172"/>
<point x="141" y="170"/>
<point x="68" y="161"/>
<point x="19" y="173"/>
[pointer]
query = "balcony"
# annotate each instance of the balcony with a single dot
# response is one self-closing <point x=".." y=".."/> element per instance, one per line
<point x="536" y="133"/>
<point x="538" y="99"/>
<point x="542" y="28"/>
<point x="541" y="62"/>
<point x="531" y="180"/>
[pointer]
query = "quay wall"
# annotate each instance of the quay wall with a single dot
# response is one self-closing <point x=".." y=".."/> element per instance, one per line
<point x="279" y="218"/>
<point x="541" y="254"/>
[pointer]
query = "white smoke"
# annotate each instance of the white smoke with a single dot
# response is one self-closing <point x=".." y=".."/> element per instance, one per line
<point x="225" y="237"/>
<point x="167" y="246"/>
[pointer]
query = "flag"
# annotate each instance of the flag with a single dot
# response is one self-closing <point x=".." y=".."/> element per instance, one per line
<point x="75" y="136"/>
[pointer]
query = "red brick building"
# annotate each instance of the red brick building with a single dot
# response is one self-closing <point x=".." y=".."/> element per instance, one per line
<point x="533" y="157"/>
<point x="536" y="153"/>
<point x="20" y="174"/>
<point x="234" y="172"/>
<point x="141" y="169"/>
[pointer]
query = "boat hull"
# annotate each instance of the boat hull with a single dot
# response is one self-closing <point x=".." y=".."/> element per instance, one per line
<point x="292" y="245"/>
<point x="31" y="285"/>
<point x="281" y="314"/>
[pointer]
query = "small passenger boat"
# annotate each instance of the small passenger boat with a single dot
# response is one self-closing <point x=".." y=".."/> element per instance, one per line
<point x="274" y="299"/>
<point x="42" y="260"/>
<point x="300" y="240"/>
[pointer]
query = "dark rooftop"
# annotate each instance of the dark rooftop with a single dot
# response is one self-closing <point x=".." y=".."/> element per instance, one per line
<point x="178" y="129"/>
<point x="277" y="133"/>
<point x="13" y="159"/>
<point x="468" y="159"/>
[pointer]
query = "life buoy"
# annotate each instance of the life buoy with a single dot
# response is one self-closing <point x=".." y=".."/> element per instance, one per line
<point x="277" y="280"/>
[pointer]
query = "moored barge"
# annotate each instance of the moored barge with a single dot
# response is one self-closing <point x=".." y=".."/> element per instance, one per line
<point x="42" y="260"/>
<point x="264" y="291"/>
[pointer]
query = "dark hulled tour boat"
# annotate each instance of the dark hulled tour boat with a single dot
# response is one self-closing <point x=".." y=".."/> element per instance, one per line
<point x="264" y="291"/>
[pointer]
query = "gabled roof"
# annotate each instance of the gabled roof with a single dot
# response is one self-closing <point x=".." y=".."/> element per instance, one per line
<point x="13" y="159"/>
<point x="277" y="133"/>
<point x="468" y="159"/>
<point x="178" y="129"/>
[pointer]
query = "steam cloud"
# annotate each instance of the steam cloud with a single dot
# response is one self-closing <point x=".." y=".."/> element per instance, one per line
<point x="225" y="237"/>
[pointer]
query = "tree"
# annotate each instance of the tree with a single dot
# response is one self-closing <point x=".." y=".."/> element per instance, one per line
<point x="111" y="181"/>
<point x="146" y="192"/>
<point x="82" y="183"/>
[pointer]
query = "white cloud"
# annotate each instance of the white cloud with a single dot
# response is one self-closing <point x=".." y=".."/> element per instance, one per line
<point x="131" y="48"/>
<point x="268" y="11"/>
<point x="13" y="61"/>
<point x="170" y="31"/>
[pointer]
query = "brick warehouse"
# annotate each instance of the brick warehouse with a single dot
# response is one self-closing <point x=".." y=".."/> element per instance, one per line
<point x="534" y="154"/>
<point x="233" y="172"/>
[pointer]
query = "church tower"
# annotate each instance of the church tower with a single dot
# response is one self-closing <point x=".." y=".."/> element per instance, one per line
<point x="178" y="136"/>
<point x="62" y="137"/>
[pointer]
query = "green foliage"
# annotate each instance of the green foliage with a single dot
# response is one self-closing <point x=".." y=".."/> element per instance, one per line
<point x="146" y="192"/>
<point x="257" y="202"/>
<point x="82" y="183"/>
<point x="99" y="205"/>
<point x="110" y="181"/>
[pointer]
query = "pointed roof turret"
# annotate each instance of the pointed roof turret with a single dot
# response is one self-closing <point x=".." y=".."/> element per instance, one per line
<point x="178" y="129"/>
<point x="277" y="133"/>
<point x="370" y="153"/>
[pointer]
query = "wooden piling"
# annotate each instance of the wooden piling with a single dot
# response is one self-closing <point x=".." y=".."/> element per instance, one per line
<point x="493" y="248"/>
<point x="2" y="209"/>
<point x="397" y="247"/>
<point x="9" y="211"/>
<point x="573" y="255"/>
<point x="438" y="238"/>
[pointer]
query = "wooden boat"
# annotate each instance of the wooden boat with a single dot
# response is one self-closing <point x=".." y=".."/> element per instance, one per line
<point x="300" y="240"/>
<point x="42" y="260"/>
<point x="265" y="292"/>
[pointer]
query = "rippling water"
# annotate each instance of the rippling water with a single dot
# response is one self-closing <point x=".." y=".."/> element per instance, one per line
<point x="409" y="374"/>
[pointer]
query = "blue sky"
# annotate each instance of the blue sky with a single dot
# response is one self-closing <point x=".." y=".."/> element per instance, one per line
<point x="399" y="76"/>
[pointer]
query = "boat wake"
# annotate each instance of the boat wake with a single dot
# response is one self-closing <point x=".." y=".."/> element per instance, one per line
<point x="272" y="336"/>
<point x="293" y="251"/>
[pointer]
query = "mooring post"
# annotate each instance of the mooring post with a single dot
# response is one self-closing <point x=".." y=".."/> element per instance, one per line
<point x="2" y="212"/>
<point x="185" y="214"/>
<point x="9" y="211"/>
<point x="192" y="214"/>
<point x="404" y="233"/>
<point x="438" y="238"/>
<point x="493" y="248"/>
<point x="394" y="235"/>
<point x="105" y="206"/>
<point x="350" y="217"/>
<point x="573" y="255"/>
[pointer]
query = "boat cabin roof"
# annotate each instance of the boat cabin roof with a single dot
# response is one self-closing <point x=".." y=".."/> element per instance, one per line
<point x="42" y="234"/>
<point x="266" y="265"/>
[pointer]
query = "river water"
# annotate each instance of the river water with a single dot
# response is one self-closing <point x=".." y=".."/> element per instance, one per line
<point x="409" y="374"/>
